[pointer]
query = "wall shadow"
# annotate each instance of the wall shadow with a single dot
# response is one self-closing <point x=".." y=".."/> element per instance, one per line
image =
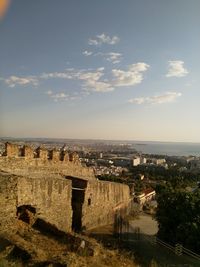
<point x="142" y="247"/>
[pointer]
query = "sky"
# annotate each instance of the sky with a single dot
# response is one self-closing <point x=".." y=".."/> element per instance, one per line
<point x="109" y="69"/>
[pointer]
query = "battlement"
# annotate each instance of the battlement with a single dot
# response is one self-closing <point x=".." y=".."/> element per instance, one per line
<point x="27" y="152"/>
<point x="26" y="159"/>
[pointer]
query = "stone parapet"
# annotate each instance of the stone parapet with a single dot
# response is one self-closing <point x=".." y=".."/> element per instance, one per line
<point x="26" y="160"/>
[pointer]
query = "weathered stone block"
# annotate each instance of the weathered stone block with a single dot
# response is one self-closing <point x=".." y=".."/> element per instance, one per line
<point x="65" y="156"/>
<point x="42" y="153"/>
<point x="11" y="150"/>
<point x="28" y="152"/>
<point x="54" y="155"/>
<point x="74" y="158"/>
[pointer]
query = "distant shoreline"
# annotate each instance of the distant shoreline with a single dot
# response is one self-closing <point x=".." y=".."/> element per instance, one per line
<point x="138" y="142"/>
<point x="145" y="147"/>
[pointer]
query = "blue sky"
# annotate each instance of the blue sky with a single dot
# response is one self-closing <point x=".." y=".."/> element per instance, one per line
<point x="110" y="69"/>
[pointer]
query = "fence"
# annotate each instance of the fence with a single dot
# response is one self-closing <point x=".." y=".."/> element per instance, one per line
<point x="125" y="232"/>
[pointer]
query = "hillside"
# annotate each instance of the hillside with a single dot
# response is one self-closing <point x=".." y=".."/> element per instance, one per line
<point x="38" y="247"/>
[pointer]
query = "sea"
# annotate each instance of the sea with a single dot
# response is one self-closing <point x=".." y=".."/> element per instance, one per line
<point x="168" y="148"/>
<point x="146" y="147"/>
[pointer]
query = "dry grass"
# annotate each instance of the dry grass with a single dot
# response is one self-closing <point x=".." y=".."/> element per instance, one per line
<point x="44" y="248"/>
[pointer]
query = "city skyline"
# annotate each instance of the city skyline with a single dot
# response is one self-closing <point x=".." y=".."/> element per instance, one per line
<point x="113" y="70"/>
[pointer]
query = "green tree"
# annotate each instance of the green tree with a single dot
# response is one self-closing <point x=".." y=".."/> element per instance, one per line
<point x="178" y="216"/>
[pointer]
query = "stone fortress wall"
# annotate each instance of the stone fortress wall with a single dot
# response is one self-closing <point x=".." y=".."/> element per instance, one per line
<point x="27" y="160"/>
<point x="8" y="201"/>
<point x="48" y="199"/>
<point x="54" y="187"/>
<point x="101" y="197"/>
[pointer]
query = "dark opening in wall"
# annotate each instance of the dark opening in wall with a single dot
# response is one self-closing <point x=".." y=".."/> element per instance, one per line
<point x="77" y="203"/>
<point x="26" y="213"/>
<point x="89" y="201"/>
<point x="78" y="197"/>
<point x="19" y="254"/>
<point x="21" y="152"/>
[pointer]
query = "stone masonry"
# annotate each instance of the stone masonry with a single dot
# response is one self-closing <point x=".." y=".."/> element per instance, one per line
<point x="53" y="186"/>
<point x="28" y="161"/>
<point x="49" y="197"/>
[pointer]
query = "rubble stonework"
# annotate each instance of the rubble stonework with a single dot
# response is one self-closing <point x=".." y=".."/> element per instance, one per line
<point x="12" y="150"/>
<point x="74" y="157"/>
<point x="50" y="197"/>
<point x="26" y="160"/>
<point x="55" y="155"/>
<point x="56" y="190"/>
<point x="28" y="152"/>
<point x="102" y="200"/>
<point x="42" y="153"/>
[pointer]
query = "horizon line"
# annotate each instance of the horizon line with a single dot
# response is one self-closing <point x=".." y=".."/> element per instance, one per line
<point x="98" y="139"/>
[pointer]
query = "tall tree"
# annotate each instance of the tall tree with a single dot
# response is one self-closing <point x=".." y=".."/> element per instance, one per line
<point x="178" y="216"/>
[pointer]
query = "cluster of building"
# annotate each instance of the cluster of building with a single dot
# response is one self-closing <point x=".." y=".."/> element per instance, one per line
<point x="112" y="170"/>
<point x="149" y="161"/>
<point x="124" y="162"/>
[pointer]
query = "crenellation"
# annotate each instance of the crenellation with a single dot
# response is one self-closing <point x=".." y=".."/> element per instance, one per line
<point x="12" y="150"/>
<point x="42" y="153"/>
<point x="42" y="160"/>
<point x="74" y="158"/>
<point x="27" y="152"/>
<point x="65" y="156"/>
<point x="55" y="155"/>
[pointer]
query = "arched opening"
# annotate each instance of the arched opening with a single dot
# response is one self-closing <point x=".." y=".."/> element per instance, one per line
<point x="26" y="213"/>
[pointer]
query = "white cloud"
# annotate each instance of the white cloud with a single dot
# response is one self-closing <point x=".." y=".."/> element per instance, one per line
<point x="168" y="97"/>
<point x="90" y="75"/>
<point x="98" y="86"/>
<point x="62" y="75"/>
<point x="13" y="81"/>
<point x="104" y="39"/>
<point x="133" y="76"/>
<point x="176" y="69"/>
<point x="87" y="53"/>
<point x="114" y="57"/>
<point x="59" y="96"/>
<point x="111" y="56"/>
<point x="92" y="81"/>
<point x="62" y="96"/>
